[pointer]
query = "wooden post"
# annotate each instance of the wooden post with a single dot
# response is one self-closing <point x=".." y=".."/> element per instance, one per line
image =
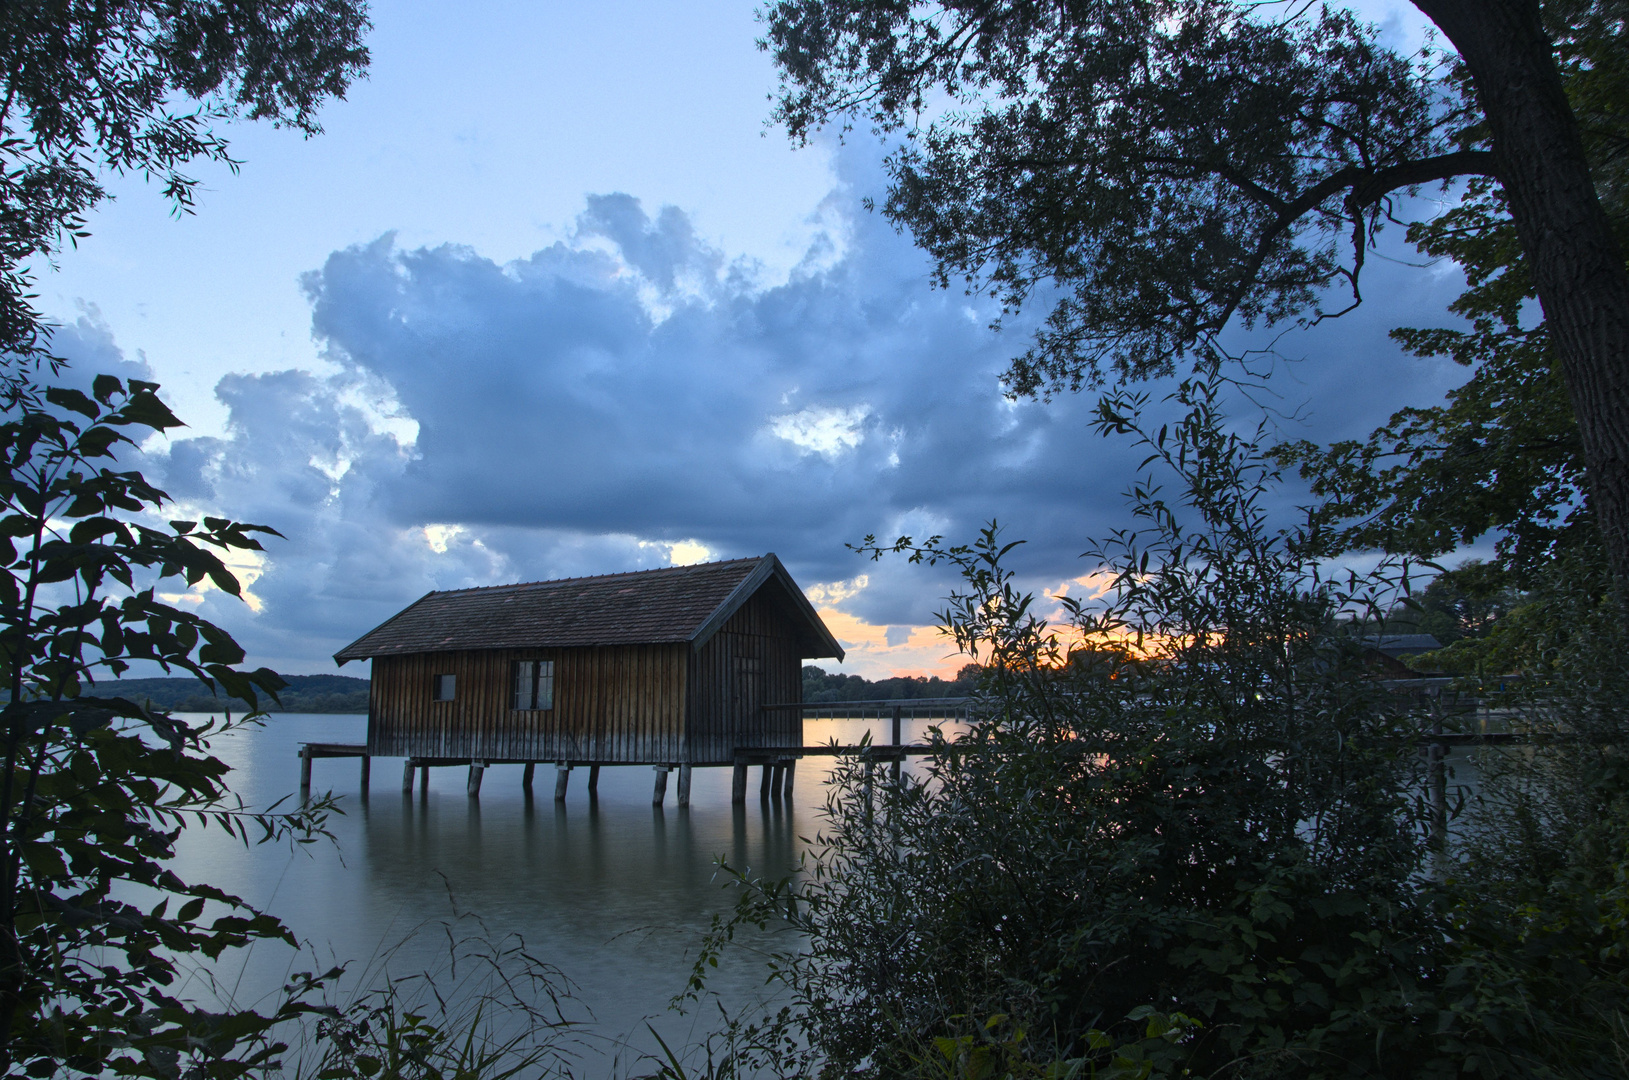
<point x="367" y="773"/>
<point x="424" y="780"/>
<point x="738" y="784"/>
<point x="791" y="769"/>
<point x="660" y="793"/>
<point x="407" y="777"/>
<point x="593" y="780"/>
<point x="562" y="777"/>
<point x="305" y="771"/>
<point x="764" y="781"/>
<point x="1438" y="779"/>
<point x="893" y="770"/>
<point x="476" y="771"/>
<point x="684" y="784"/>
<point x="526" y="777"/>
<point x="777" y="776"/>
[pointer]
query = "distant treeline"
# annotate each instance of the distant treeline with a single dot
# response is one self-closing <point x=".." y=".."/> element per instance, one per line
<point x="818" y="686"/>
<point x="304" y="694"/>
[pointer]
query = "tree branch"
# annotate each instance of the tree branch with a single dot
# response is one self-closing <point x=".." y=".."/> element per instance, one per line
<point x="1367" y="187"/>
<point x="1382" y="182"/>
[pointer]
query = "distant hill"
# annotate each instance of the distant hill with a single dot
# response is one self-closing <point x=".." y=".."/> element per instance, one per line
<point x="305" y="694"/>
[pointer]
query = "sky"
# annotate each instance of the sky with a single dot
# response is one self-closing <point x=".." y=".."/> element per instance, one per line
<point x="549" y="298"/>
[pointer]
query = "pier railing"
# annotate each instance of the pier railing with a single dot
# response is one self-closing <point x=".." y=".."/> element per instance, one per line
<point x="896" y="710"/>
<point x="942" y="708"/>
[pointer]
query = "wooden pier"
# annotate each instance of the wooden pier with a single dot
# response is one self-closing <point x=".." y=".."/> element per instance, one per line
<point x="778" y="764"/>
<point x="309" y="752"/>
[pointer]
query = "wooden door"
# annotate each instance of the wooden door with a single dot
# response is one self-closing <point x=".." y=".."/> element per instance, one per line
<point x="748" y="693"/>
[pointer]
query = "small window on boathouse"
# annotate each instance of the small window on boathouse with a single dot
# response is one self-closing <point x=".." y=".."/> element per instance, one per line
<point x="534" y="685"/>
<point x="443" y="688"/>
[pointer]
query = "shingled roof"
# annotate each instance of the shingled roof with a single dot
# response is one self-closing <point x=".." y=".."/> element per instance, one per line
<point x="646" y="607"/>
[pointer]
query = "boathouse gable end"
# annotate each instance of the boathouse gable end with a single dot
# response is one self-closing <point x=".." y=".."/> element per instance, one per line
<point x="753" y="660"/>
<point x="669" y="666"/>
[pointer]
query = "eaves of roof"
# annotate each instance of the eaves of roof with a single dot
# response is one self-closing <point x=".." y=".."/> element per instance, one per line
<point x="667" y="605"/>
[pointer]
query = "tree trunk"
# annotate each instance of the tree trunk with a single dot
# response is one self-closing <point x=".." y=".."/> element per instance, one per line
<point x="1577" y="266"/>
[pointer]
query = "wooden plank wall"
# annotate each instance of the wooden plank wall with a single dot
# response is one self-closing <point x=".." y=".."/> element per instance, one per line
<point x="615" y="705"/>
<point x="723" y="705"/>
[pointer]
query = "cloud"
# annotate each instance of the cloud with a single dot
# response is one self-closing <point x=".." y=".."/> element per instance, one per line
<point x="825" y="431"/>
<point x="632" y="397"/>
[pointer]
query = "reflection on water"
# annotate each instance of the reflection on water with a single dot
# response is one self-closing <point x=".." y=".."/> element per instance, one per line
<point x="612" y="891"/>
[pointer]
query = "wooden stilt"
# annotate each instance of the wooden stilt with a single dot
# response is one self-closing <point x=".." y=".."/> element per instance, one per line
<point x="893" y="770"/>
<point x="684" y="785"/>
<point x="476" y="771"/>
<point x="777" y="776"/>
<point x="660" y="793"/>
<point x="593" y="779"/>
<point x="305" y="770"/>
<point x="407" y="777"/>
<point x="526" y="777"/>
<point x="424" y="780"/>
<point x="367" y="772"/>
<point x="738" y="784"/>
<point x="791" y="770"/>
<point x="763" y="783"/>
<point x="562" y="777"/>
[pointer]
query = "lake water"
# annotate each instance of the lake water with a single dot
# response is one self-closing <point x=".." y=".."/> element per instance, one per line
<point x="612" y="892"/>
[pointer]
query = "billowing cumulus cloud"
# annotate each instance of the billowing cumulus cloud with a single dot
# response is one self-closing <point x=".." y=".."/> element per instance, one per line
<point x="632" y="397"/>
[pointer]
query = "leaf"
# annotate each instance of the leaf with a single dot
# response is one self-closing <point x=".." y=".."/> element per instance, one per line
<point x="145" y="409"/>
<point x="68" y="398"/>
<point x="105" y="386"/>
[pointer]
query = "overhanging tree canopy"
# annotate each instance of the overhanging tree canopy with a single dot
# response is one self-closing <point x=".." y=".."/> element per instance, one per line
<point x="1174" y="166"/>
<point x="92" y="87"/>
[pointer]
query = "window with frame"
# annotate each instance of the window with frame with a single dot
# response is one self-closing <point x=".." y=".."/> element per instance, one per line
<point x="443" y="687"/>
<point x="533" y="685"/>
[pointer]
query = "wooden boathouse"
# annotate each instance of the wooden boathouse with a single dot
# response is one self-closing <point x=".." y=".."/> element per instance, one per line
<point x="675" y="668"/>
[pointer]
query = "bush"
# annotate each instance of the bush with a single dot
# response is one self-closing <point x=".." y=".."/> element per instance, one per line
<point x="1189" y="816"/>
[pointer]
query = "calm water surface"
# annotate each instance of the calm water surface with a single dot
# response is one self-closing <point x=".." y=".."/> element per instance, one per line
<point x="613" y="892"/>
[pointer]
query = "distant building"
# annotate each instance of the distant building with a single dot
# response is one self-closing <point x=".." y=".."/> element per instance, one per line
<point x="664" y="667"/>
<point x="1398" y="646"/>
<point x="1386" y="652"/>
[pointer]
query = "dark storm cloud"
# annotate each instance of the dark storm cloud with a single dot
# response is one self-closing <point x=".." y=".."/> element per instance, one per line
<point x="792" y="418"/>
<point x="578" y="410"/>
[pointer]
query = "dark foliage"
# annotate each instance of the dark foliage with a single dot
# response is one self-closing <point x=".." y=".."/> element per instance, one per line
<point x="819" y="687"/>
<point x="1501" y="456"/>
<point x="1199" y="852"/>
<point x="134" y="86"/>
<point x="1168" y="165"/>
<point x="97" y="931"/>
<point x="97" y="787"/>
<point x="1157" y="170"/>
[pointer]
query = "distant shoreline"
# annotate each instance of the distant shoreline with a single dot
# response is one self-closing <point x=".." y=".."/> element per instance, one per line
<point x="336" y="695"/>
